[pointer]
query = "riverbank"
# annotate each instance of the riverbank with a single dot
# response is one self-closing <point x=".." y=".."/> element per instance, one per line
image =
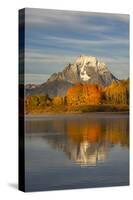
<point x="103" y="108"/>
<point x="92" y="115"/>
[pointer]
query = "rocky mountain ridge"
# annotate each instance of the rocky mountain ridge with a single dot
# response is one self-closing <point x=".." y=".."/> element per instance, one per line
<point x="85" y="69"/>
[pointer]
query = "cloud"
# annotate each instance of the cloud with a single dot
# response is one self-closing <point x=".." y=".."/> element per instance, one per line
<point x="115" y="60"/>
<point x="119" y="66"/>
<point x="72" y="41"/>
<point x="51" y="17"/>
<point x="58" y="37"/>
<point x="36" y="78"/>
<point x="40" y="57"/>
<point x="74" y="21"/>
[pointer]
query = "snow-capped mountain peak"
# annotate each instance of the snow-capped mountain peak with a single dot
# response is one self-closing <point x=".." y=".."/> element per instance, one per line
<point x="85" y="69"/>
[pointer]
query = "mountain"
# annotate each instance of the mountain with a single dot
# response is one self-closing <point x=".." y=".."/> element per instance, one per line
<point x="29" y="88"/>
<point x="53" y="88"/>
<point x="85" y="69"/>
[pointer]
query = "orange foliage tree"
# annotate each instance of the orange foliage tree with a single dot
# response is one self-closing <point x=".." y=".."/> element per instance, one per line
<point x="84" y="94"/>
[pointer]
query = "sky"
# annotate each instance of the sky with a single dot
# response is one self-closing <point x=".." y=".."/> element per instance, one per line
<point x="54" y="38"/>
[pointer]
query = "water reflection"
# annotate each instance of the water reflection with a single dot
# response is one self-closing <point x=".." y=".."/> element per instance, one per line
<point x="84" y="141"/>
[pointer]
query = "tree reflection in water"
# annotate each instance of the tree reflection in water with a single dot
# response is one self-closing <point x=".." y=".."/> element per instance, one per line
<point x="84" y="141"/>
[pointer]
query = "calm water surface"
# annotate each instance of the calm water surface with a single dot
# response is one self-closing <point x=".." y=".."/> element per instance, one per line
<point x="76" y="151"/>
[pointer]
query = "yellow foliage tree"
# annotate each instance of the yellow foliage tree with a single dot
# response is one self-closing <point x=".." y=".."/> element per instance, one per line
<point x="117" y="93"/>
<point x="57" y="100"/>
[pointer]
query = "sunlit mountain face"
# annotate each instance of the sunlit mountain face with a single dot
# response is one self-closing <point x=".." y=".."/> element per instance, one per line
<point x="86" y="143"/>
<point x="85" y="69"/>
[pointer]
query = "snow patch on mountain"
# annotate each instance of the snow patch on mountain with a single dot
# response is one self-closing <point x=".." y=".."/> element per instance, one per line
<point x="83" y="74"/>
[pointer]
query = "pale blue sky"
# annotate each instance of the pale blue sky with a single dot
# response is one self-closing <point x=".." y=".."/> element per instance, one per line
<point x="55" y="38"/>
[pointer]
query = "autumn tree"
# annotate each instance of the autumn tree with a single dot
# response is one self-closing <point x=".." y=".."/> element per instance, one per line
<point x="91" y="94"/>
<point x="84" y="94"/>
<point x="74" y="94"/>
<point x="117" y="92"/>
<point x="37" y="102"/>
<point x="57" y="100"/>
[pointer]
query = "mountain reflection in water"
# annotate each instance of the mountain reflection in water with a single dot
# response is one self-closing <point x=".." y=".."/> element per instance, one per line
<point x="85" y="141"/>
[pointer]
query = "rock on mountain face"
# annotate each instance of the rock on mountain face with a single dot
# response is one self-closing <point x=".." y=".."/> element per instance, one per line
<point x="86" y="69"/>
